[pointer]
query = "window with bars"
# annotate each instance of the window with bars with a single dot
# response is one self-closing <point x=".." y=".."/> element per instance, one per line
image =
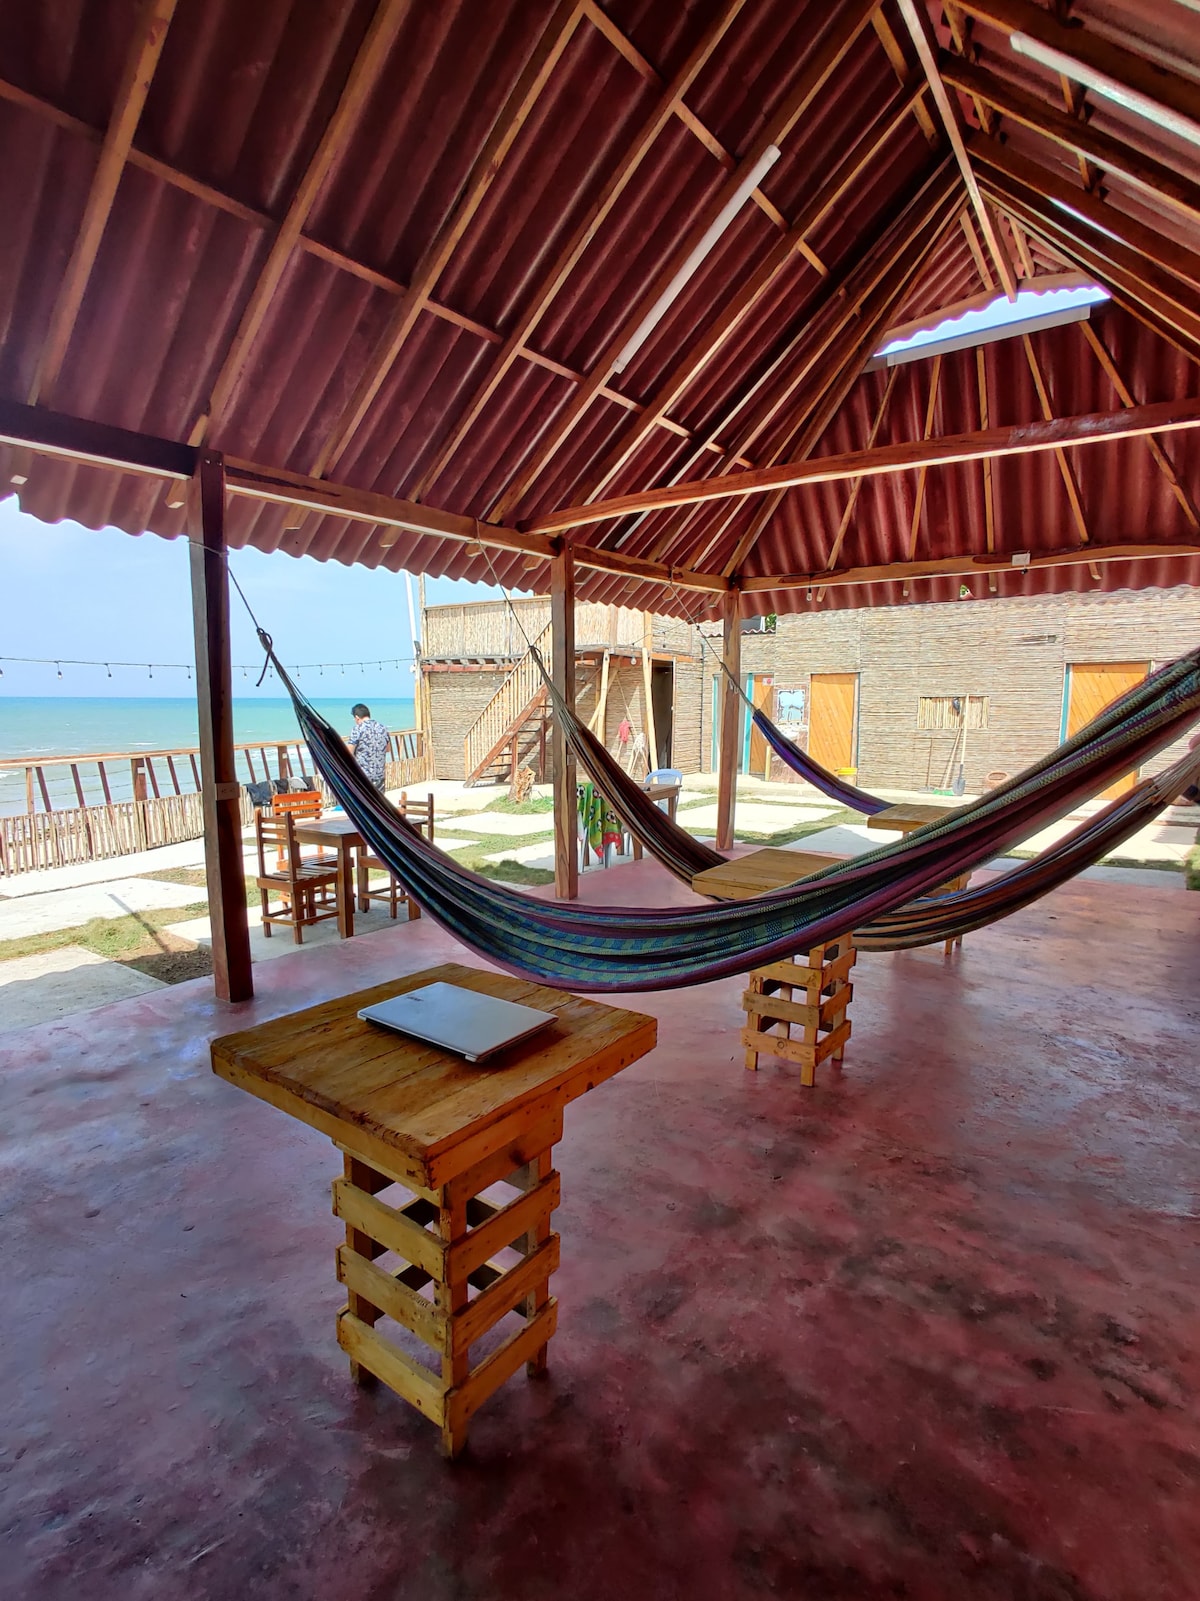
<point x="947" y="711"/>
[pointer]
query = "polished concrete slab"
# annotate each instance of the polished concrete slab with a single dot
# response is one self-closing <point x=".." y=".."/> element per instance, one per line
<point x="928" y="1331"/>
<point x="53" y="984"/>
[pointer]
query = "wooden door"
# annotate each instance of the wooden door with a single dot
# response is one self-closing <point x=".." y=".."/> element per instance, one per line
<point x="1091" y="686"/>
<point x="831" y="719"/>
<point x="762" y="694"/>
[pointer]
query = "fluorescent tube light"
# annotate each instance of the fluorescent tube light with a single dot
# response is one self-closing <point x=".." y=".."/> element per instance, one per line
<point x="1120" y="94"/>
<point x="679" y="282"/>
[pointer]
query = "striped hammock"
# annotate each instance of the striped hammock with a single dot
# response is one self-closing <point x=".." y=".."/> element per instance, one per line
<point x="592" y="948"/>
<point x="801" y="762"/>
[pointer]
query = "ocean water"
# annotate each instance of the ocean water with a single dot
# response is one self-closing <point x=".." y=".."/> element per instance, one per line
<point x="51" y="725"/>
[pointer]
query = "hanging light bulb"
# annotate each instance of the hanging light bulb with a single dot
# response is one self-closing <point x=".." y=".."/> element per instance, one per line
<point x="150" y="668"/>
<point x="108" y="669"/>
<point x="59" y="666"/>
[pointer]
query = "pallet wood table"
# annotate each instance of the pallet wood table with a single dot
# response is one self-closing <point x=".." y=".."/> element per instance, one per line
<point x="440" y="1132"/>
<point x="770" y="1003"/>
<point x="773" y="1010"/>
<point x="905" y="818"/>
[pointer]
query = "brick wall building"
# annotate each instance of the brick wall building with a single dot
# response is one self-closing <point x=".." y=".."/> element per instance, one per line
<point x="907" y="676"/>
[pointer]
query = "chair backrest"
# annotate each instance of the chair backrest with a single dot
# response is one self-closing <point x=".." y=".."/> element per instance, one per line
<point x="417" y="812"/>
<point x="664" y="775"/>
<point x="299" y="802"/>
<point x="279" y="834"/>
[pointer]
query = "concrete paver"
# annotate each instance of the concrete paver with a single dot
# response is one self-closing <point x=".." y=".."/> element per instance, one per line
<point x="757" y="817"/>
<point x="54" y="984"/>
<point x="68" y="908"/>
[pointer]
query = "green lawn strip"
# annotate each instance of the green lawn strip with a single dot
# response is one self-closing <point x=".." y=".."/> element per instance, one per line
<point x="111" y="937"/>
<point x="1191" y="867"/>
<point x="525" y="808"/>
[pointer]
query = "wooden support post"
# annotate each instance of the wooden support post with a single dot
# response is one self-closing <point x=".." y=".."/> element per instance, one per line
<point x="562" y="616"/>
<point x="730" y="719"/>
<point x="214" y="701"/>
<point x="648" y="692"/>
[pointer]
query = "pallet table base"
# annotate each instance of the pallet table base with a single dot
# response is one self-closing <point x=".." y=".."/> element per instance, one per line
<point x="808" y="1027"/>
<point x="447" y="1242"/>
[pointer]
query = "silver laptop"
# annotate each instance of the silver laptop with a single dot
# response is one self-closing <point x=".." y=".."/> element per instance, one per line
<point x="461" y="1020"/>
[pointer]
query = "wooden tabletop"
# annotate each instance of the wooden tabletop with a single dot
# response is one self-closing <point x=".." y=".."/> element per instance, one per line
<point x="424" y="1112"/>
<point x="908" y="815"/>
<point x="746" y="876"/>
<point x="316" y="829"/>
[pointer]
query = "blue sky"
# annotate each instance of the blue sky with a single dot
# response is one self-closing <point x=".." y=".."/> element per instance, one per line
<point x="73" y="592"/>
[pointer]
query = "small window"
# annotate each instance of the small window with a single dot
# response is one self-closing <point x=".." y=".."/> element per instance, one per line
<point x="947" y="711"/>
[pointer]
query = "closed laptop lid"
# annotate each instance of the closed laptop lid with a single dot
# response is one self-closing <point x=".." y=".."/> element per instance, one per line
<point x="462" y="1020"/>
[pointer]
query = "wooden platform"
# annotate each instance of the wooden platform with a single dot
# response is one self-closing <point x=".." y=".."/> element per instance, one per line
<point x="442" y="1132"/>
<point x="760" y="871"/>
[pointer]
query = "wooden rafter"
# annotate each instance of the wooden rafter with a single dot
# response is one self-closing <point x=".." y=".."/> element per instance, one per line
<point x="914" y="527"/>
<point x="837" y="317"/>
<point x="141" y="61"/>
<point x="1081" y="138"/>
<point x="512" y="118"/>
<point x="625" y="46"/>
<point x="965" y="566"/>
<point x="916" y="20"/>
<point x="1123" y="274"/>
<point x="1066" y="471"/>
<point x="891" y="49"/>
<point x="363" y="76"/>
<point x="557" y="274"/>
<point x="1161" y="459"/>
<point x="837" y="381"/>
<point x="1173" y="90"/>
<point x="977" y="255"/>
<point x="826" y="55"/>
<point x="989" y="492"/>
<point x="835" y="550"/>
<point x="1092" y="428"/>
<point x="784" y="251"/>
<point x="1127" y="230"/>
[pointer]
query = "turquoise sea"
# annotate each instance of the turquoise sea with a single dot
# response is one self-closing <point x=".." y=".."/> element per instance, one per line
<point x="33" y="727"/>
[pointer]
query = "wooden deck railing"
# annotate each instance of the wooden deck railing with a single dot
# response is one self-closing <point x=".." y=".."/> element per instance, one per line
<point x="505" y="706"/>
<point x="100" y="805"/>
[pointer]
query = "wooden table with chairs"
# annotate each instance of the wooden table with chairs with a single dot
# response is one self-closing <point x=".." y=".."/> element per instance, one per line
<point x="905" y="818"/>
<point x="435" y="1132"/>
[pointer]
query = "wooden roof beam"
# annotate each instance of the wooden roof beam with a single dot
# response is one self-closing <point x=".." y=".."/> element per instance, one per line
<point x="856" y="484"/>
<point x="916" y="19"/>
<point x="914" y="527"/>
<point x="363" y="76"/>
<point x="965" y="566"/>
<point x="891" y="49"/>
<point x="843" y="369"/>
<point x="1134" y="72"/>
<point x="1127" y="230"/>
<point x="1081" y="138"/>
<point x="565" y="262"/>
<point x="989" y="492"/>
<point x="751" y="292"/>
<point x="145" y="48"/>
<point x="512" y="118"/>
<point x="861" y="302"/>
<point x="1092" y="428"/>
<point x="1066" y="471"/>
<point x="826" y="55"/>
<point x="1161" y="459"/>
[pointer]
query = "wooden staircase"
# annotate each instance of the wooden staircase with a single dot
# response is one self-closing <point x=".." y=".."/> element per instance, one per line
<point x="514" y="723"/>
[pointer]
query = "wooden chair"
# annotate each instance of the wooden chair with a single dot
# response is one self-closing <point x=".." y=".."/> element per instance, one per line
<point x="302" y="804"/>
<point x="420" y="815"/>
<point x="303" y="887"/>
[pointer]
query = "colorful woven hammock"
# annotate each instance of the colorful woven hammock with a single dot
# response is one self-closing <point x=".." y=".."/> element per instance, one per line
<point x="801" y="762"/>
<point x="592" y="948"/>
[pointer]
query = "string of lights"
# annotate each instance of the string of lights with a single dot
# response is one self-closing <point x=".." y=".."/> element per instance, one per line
<point x="245" y="668"/>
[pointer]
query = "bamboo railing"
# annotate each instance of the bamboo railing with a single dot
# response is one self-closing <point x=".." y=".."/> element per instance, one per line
<point x="487" y="734"/>
<point x="106" y="804"/>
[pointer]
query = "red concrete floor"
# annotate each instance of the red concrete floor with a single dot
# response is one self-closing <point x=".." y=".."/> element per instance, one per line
<point x="926" y="1332"/>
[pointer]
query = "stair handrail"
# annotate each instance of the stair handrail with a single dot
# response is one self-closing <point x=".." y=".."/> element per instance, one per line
<point x="506" y="705"/>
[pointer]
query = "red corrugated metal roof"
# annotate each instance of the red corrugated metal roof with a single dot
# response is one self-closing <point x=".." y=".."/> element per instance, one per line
<point x="235" y="111"/>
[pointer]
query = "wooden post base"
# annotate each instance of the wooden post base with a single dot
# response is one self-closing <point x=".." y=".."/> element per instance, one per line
<point x="447" y="1242"/>
<point x="773" y="1010"/>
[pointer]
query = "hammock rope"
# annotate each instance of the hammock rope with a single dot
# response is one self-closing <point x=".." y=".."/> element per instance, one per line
<point x="591" y="948"/>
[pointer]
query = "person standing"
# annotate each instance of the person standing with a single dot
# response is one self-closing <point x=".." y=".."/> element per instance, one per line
<point x="369" y="742"/>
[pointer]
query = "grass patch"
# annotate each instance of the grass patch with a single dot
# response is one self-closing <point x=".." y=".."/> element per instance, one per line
<point x="1191" y="868"/>
<point x="117" y="938"/>
<point x="526" y="808"/>
<point x="510" y="872"/>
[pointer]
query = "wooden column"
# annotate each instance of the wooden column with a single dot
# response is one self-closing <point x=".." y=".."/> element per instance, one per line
<point x="214" y="701"/>
<point x="562" y="615"/>
<point x="730" y="719"/>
